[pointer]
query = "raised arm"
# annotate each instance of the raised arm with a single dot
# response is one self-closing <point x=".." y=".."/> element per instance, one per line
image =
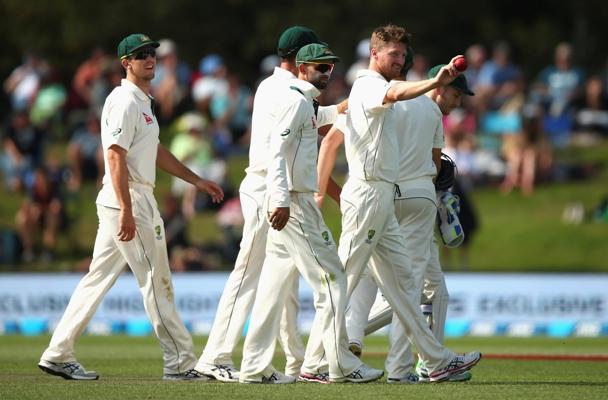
<point x="409" y="90"/>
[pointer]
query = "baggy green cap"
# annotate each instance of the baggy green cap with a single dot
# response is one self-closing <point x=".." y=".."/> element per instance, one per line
<point x="134" y="42"/>
<point x="294" y="38"/>
<point x="316" y="53"/>
<point x="460" y="83"/>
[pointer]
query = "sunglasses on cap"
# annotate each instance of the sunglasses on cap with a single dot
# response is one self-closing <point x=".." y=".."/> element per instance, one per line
<point x="144" y="53"/>
<point x="323" y="67"/>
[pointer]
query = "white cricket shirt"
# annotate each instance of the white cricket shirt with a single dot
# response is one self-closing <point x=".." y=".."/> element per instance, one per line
<point x="266" y="104"/>
<point x="370" y="141"/>
<point x="419" y="130"/>
<point x="127" y="120"/>
<point x="293" y="145"/>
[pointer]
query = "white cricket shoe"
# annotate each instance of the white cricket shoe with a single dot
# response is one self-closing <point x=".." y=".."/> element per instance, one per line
<point x="423" y="374"/>
<point x="363" y="374"/>
<point x="190" y="375"/>
<point x="269" y="376"/>
<point x="221" y="372"/>
<point x="68" y="370"/>
<point x="460" y="363"/>
<point x="321" y="377"/>
<point x="410" y="378"/>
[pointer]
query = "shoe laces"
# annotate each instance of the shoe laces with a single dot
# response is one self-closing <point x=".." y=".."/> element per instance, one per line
<point x="193" y="373"/>
<point x="273" y="377"/>
<point x="71" y="367"/>
<point x="224" y="370"/>
<point x="356" y="374"/>
<point x="322" y="376"/>
<point x="456" y="362"/>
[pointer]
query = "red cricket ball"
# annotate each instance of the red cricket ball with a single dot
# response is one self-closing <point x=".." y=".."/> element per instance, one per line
<point x="461" y="64"/>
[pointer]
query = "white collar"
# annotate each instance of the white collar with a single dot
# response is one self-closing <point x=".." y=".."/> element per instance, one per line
<point x="127" y="84"/>
<point x="306" y="88"/>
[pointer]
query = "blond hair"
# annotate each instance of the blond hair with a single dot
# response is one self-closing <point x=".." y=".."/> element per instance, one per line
<point x="389" y="34"/>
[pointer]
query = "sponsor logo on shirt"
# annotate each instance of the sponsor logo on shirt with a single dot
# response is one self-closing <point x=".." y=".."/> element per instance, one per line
<point x="157" y="231"/>
<point x="116" y="132"/>
<point x="314" y="122"/>
<point x="148" y="118"/>
<point x="370" y="236"/>
<point x="286" y="132"/>
<point x="325" y="236"/>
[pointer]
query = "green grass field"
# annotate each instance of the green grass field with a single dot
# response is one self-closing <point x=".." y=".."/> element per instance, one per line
<point x="130" y="368"/>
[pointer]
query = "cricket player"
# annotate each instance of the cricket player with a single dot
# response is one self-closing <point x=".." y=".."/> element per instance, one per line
<point x="420" y="142"/>
<point x="369" y="226"/>
<point x="299" y="235"/>
<point x="240" y="290"/>
<point x="130" y="229"/>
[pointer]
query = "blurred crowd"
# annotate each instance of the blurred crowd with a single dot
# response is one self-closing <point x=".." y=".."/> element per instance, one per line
<point x="504" y="136"/>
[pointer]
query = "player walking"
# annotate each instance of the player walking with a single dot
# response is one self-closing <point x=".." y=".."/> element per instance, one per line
<point x="420" y="142"/>
<point x="130" y="227"/>
<point x="369" y="226"/>
<point x="300" y="238"/>
<point x="240" y="290"/>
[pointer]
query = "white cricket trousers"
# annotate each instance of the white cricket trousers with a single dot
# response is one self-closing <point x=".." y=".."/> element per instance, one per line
<point x="308" y="243"/>
<point x="146" y="255"/>
<point x="416" y="217"/>
<point x="240" y="289"/>
<point x="370" y="232"/>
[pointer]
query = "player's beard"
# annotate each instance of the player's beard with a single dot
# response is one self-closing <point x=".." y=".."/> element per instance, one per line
<point x="320" y="83"/>
<point x="320" y="80"/>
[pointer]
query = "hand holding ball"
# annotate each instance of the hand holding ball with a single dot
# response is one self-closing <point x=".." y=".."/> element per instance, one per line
<point x="461" y="64"/>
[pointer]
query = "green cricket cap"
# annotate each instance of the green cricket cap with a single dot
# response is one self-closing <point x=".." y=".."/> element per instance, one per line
<point x="294" y="38"/>
<point x="460" y="83"/>
<point x="134" y="42"/>
<point x="316" y="53"/>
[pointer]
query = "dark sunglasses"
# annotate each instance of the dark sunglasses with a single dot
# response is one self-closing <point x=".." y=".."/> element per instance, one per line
<point x="143" y="54"/>
<point x="323" y="68"/>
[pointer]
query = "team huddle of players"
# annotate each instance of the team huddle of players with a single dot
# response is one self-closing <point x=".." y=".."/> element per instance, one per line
<point x="392" y="134"/>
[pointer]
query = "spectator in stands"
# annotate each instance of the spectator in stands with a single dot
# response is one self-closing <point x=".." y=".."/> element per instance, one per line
<point x="476" y="58"/>
<point x="192" y="145"/>
<point x="501" y="100"/>
<point x="42" y="210"/>
<point x="419" y="68"/>
<point x="591" y="107"/>
<point x="48" y="104"/>
<point x="85" y="154"/>
<point x="230" y="220"/>
<point x="23" y="150"/>
<point x="233" y="108"/>
<point x="111" y="74"/>
<point x="182" y="255"/>
<point x="192" y="148"/>
<point x="212" y="85"/>
<point x="85" y="77"/>
<point x="171" y="82"/>
<point x="362" y="62"/>
<point x="267" y="66"/>
<point x="176" y="225"/>
<point x="555" y="88"/>
<point x="22" y="84"/>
